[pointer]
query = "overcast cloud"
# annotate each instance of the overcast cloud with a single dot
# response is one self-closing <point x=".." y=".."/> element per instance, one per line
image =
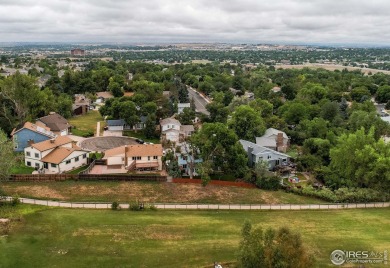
<point x="254" y="21"/>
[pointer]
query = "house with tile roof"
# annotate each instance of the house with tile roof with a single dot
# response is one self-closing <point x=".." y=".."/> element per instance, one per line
<point x="135" y="157"/>
<point x="256" y="153"/>
<point x="55" y="156"/>
<point x="55" y="122"/>
<point x="30" y="133"/>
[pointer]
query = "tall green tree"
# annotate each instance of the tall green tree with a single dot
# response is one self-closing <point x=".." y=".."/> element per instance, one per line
<point x="272" y="248"/>
<point x="6" y="155"/>
<point x="247" y="123"/>
<point x="359" y="160"/>
<point x="220" y="145"/>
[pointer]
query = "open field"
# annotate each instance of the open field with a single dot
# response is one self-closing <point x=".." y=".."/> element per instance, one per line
<point x="86" y="123"/>
<point x="151" y="192"/>
<point x="331" y="67"/>
<point x="89" y="238"/>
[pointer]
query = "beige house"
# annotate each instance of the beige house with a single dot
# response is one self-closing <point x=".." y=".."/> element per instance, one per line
<point x="55" y="156"/>
<point x="135" y="157"/>
<point x="172" y="130"/>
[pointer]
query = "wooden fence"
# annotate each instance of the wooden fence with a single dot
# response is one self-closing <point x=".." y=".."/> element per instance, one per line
<point x="216" y="182"/>
<point x="85" y="177"/>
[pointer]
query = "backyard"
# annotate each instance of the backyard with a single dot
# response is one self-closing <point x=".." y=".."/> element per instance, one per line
<point x="106" y="238"/>
<point x="85" y="125"/>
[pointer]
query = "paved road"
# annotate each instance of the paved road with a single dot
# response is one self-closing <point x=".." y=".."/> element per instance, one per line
<point x="208" y="206"/>
<point x="200" y="102"/>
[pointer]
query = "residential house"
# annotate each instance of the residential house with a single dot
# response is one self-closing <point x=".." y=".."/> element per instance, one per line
<point x="102" y="96"/>
<point x="55" y="156"/>
<point x="30" y="132"/>
<point x="56" y="123"/>
<point x="181" y="106"/>
<point x="135" y="157"/>
<point x="256" y="153"/>
<point x="172" y="130"/>
<point x="120" y="124"/>
<point x="274" y="139"/>
<point x="187" y="157"/>
<point x="81" y="104"/>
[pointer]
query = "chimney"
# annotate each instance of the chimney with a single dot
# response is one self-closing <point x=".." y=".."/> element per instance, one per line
<point x="52" y="140"/>
<point x="30" y="142"/>
<point x="250" y="156"/>
<point x="126" y="151"/>
<point x="279" y="140"/>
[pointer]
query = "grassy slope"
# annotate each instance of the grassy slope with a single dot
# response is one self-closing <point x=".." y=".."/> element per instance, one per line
<point x="88" y="238"/>
<point x="151" y="192"/>
<point x="86" y="123"/>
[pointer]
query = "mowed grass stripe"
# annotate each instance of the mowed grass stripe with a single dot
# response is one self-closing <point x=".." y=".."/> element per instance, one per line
<point x="85" y="238"/>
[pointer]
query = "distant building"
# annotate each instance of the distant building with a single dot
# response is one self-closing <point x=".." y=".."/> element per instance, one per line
<point x="172" y="130"/>
<point x="181" y="106"/>
<point x="77" y="52"/>
<point x="274" y="139"/>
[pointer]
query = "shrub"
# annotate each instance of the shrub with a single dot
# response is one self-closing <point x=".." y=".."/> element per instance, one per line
<point x="135" y="206"/>
<point x="15" y="201"/>
<point x="269" y="182"/>
<point x="115" y="205"/>
<point x="152" y="207"/>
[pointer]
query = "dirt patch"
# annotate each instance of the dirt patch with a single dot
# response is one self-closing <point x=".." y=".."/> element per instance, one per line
<point x="39" y="191"/>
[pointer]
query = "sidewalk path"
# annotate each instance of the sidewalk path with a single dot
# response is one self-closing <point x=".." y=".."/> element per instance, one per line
<point x="207" y="206"/>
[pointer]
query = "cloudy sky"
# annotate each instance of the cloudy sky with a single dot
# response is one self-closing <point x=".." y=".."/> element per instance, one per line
<point x="253" y="21"/>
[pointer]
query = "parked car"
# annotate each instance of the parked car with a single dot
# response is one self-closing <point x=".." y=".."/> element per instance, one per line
<point x="140" y="141"/>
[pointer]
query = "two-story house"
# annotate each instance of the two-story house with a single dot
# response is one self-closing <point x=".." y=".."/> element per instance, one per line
<point x="56" y="123"/>
<point x="135" y="157"/>
<point x="28" y="133"/>
<point x="172" y="130"/>
<point x="256" y="153"/>
<point x="55" y="156"/>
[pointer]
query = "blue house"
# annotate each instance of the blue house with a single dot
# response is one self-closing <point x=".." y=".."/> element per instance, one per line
<point x="28" y="134"/>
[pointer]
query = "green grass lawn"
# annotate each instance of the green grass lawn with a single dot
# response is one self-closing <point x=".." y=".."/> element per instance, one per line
<point x="86" y="123"/>
<point x="91" y="238"/>
<point x="140" y="135"/>
<point x="22" y="169"/>
<point x="151" y="192"/>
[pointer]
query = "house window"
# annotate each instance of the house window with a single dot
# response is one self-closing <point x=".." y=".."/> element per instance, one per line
<point x="37" y="165"/>
<point x="29" y="163"/>
<point x="28" y="154"/>
<point x="67" y="162"/>
<point x="184" y="157"/>
<point x="84" y="156"/>
<point x="36" y="155"/>
<point x="268" y="157"/>
<point x="133" y="158"/>
<point x="45" y="165"/>
<point x="76" y="159"/>
<point x="138" y="157"/>
<point x="155" y="157"/>
<point x="148" y="157"/>
<point x="184" y="166"/>
<point x="53" y="165"/>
